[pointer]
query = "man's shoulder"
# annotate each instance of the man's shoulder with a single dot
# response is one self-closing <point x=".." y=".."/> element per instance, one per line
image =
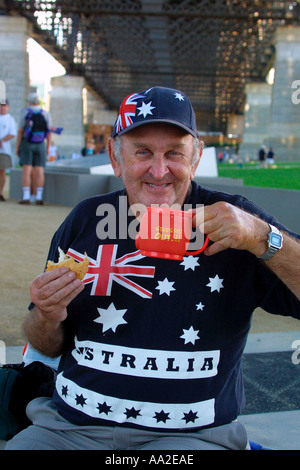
<point x="11" y="118"/>
<point x="45" y="113"/>
<point x="34" y="109"/>
<point x="7" y="119"/>
<point x="208" y="196"/>
<point x="205" y="195"/>
<point x="90" y="204"/>
<point x="24" y="112"/>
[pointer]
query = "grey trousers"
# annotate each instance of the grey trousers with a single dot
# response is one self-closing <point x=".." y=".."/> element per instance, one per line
<point x="50" y="431"/>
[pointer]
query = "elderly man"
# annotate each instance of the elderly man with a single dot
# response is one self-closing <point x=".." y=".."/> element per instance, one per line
<point x="151" y="348"/>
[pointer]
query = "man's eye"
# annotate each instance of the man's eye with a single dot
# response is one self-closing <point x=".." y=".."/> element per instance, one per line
<point x="142" y="153"/>
<point x="175" y="155"/>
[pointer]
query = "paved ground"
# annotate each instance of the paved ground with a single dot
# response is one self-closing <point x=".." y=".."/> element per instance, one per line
<point x="272" y="413"/>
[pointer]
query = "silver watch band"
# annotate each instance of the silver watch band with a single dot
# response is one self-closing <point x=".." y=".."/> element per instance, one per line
<point x="272" y="249"/>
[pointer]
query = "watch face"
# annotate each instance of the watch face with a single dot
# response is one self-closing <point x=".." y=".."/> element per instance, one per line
<point x="276" y="240"/>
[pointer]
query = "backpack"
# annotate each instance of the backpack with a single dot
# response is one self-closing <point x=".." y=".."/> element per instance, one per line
<point x="19" y="385"/>
<point x="9" y="379"/>
<point x="36" y="128"/>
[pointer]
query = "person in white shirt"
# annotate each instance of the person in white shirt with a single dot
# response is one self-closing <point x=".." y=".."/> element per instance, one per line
<point x="7" y="132"/>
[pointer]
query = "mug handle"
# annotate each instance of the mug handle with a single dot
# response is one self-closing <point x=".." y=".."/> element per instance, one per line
<point x="201" y="249"/>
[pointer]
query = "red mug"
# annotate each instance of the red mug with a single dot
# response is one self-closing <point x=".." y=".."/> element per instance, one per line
<point x="165" y="233"/>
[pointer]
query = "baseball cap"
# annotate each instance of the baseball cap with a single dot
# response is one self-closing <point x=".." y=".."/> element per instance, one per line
<point x="157" y="104"/>
<point x="4" y="102"/>
<point x="33" y="98"/>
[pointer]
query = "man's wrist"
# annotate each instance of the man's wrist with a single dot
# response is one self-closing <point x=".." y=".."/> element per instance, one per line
<point x="45" y="320"/>
<point x="261" y="243"/>
<point x="274" y="242"/>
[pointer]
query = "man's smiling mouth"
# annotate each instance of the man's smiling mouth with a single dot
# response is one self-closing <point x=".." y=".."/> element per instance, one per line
<point x="153" y="185"/>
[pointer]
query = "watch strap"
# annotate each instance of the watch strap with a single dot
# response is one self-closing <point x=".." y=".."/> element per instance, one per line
<point x="272" y="249"/>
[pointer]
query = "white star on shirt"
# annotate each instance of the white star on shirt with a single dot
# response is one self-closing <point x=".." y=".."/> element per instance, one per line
<point x="165" y="286"/>
<point x="178" y="96"/>
<point x="146" y="109"/>
<point x="200" y="306"/>
<point x="215" y="283"/>
<point x="189" y="262"/>
<point x="111" y="317"/>
<point x="190" y="335"/>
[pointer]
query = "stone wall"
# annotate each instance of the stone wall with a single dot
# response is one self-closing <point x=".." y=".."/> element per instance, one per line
<point x="14" y="62"/>
<point x="66" y="109"/>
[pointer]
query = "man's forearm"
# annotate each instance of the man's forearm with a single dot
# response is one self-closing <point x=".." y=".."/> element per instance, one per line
<point x="45" y="336"/>
<point x="51" y="292"/>
<point x="286" y="264"/>
<point x="7" y="138"/>
<point x="48" y="143"/>
<point x="19" y="138"/>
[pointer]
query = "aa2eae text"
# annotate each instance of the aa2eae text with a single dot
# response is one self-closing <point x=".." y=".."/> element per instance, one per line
<point x="150" y="459"/>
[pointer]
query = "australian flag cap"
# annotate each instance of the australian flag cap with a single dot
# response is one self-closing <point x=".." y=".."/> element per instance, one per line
<point x="158" y="104"/>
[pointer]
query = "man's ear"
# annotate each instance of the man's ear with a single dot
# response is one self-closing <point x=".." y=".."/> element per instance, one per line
<point x="113" y="160"/>
<point x="196" y="163"/>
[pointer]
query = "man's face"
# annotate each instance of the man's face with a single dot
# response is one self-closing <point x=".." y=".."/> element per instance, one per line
<point x="3" y="108"/>
<point x="156" y="164"/>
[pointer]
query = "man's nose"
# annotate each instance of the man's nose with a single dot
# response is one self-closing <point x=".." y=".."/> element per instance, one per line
<point x="159" y="167"/>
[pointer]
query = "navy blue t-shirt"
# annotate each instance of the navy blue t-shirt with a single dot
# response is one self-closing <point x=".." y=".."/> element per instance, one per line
<point x="154" y="343"/>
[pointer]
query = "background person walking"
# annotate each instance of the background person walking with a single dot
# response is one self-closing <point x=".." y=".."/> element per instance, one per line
<point x="33" y="130"/>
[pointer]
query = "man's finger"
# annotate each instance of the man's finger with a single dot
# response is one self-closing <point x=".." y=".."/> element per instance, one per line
<point x="217" y="247"/>
<point x="205" y="213"/>
<point x="48" y="289"/>
<point x="49" y="276"/>
<point x="49" y="301"/>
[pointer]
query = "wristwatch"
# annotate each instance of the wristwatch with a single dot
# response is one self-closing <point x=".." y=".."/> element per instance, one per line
<point x="274" y="243"/>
